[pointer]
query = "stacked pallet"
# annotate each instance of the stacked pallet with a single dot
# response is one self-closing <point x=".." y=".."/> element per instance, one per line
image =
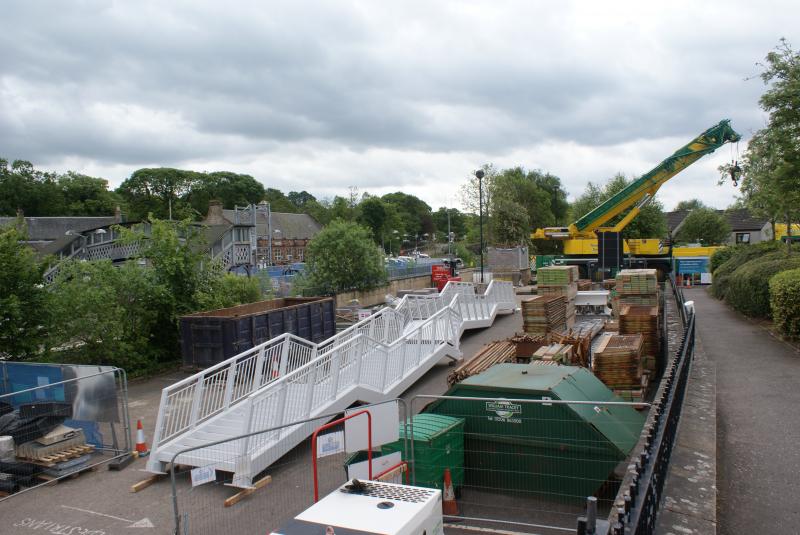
<point x="562" y="281"/>
<point x="543" y="313"/>
<point x="609" y="284"/>
<point x="635" y="287"/>
<point x="526" y="345"/>
<point x="639" y="319"/>
<point x="488" y="356"/>
<point x="617" y="362"/>
<point x="559" y="353"/>
<point x="584" y="285"/>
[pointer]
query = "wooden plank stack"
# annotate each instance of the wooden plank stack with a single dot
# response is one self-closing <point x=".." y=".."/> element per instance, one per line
<point x="580" y="338"/>
<point x="526" y="345"/>
<point x="617" y="362"/>
<point x="560" y="353"/>
<point x="640" y="319"/>
<point x="635" y="287"/>
<point x="563" y="281"/>
<point x="488" y="356"/>
<point x="584" y="285"/>
<point x="543" y="313"/>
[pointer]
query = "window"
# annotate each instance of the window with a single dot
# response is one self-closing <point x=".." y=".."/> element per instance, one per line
<point x="300" y="252"/>
<point x="742" y="237"/>
<point x="278" y="254"/>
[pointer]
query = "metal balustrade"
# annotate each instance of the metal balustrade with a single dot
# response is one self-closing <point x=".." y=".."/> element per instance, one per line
<point x="288" y="379"/>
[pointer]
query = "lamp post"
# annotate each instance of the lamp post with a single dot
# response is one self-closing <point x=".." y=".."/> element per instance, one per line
<point x="479" y="173"/>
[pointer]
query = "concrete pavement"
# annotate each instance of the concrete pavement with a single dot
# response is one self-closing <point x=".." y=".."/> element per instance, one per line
<point x="758" y="421"/>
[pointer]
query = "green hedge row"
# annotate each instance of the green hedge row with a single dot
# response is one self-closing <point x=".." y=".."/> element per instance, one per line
<point x="748" y="286"/>
<point x="784" y="291"/>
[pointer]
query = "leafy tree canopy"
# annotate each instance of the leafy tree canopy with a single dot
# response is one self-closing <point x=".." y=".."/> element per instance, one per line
<point x="691" y="204"/>
<point x="705" y="226"/>
<point x="232" y="189"/>
<point x="343" y="257"/>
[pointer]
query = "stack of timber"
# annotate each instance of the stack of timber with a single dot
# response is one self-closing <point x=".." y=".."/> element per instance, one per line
<point x="563" y="281"/>
<point x="635" y="287"/>
<point x="638" y="319"/>
<point x="488" y="356"/>
<point x="617" y="362"/>
<point x="609" y="284"/>
<point x="584" y="285"/>
<point x="558" y="353"/>
<point x="611" y="326"/>
<point x="543" y="313"/>
<point x="580" y="338"/>
<point x="526" y="345"/>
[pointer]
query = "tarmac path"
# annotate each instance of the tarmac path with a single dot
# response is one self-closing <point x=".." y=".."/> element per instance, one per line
<point x="758" y="421"/>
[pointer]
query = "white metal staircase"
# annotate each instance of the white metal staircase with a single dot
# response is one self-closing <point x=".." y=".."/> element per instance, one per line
<point x="289" y="378"/>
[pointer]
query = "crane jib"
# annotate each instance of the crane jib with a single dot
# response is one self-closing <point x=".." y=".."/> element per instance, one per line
<point x="705" y="143"/>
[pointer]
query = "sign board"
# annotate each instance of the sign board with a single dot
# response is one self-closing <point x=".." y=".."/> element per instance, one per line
<point x="379" y="464"/>
<point x="203" y="474"/>
<point x="330" y="444"/>
<point x="692" y="265"/>
<point x="364" y="313"/>
<point x="439" y="273"/>
<point x="385" y="423"/>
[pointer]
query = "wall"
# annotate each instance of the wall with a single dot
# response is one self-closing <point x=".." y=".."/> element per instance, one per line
<point x="377" y="296"/>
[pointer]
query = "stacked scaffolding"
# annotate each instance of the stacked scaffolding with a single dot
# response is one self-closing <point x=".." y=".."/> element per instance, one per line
<point x="561" y="281"/>
<point x="543" y="313"/>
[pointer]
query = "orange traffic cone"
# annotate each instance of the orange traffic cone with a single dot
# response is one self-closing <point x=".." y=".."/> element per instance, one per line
<point x="141" y="445"/>
<point x="449" y="505"/>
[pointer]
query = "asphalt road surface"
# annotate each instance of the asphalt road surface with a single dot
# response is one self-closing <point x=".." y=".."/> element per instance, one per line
<point x="758" y="421"/>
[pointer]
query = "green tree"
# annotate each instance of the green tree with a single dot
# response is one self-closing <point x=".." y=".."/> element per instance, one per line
<point x="87" y="196"/>
<point x="414" y="214"/>
<point x="344" y="257"/>
<point x="372" y="214"/>
<point x="158" y="191"/>
<point x="278" y="201"/>
<point x="511" y="222"/>
<point x="300" y="198"/>
<point x="691" y="204"/>
<point x="319" y="210"/>
<point x="24" y="315"/>
<point x="24" y="188"/>
<point x="232" y="189"/>
<point x="341" y="209"/>
<point x="458" y="224"/>
<point x="650" y="223"/>
<point x="705" y="226"/>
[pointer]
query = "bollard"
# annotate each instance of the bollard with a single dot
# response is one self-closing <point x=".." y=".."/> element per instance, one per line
<point x="591" y="515"/>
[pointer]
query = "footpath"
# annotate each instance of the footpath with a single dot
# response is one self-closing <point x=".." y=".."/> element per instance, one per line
<point x="757" y="429"/>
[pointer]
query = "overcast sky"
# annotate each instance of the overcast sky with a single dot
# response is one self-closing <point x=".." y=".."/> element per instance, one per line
<point x="400" y="96"/>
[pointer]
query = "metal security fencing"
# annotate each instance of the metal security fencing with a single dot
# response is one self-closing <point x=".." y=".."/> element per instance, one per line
<point x="58" y="421"/>
<point x="639" y="498"/>
<point x="205" y="502"/>
<point x="395" y="272"/>
<point x="522" y="464"/>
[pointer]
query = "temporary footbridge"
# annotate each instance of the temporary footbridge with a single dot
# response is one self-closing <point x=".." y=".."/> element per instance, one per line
<point x="288" y="379"/>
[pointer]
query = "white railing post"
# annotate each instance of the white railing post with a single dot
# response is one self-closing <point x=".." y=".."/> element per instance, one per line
<point x="230" y="384"/>
<point x="284" y="358"/>
<point x="361" y="354"/>
<point x="311" y="386"/>
<point x="336" y="368"/>
<point x="258" y="372"/>
<point x="281" y="409"/>
<point x="196" y="401"/>
<point x="419" y="343"/>
<point x="160" y="423"/>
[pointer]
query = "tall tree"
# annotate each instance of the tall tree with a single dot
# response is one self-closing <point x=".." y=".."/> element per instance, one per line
<point x="23" y="301"/>
<point x="87" y="196"/>
<point x="300" y="198"/>
<point x="650" y="223"/>
<point x="414" y="213"/>
<point x="278" y="201"/>
<point x="24" y="188"/>
<point x="691" y="204"/>
<point x="705" y="226"/>
<point x="158" y="191"/>
<point x="343" y="257"/>
<point x="231" y="188"/>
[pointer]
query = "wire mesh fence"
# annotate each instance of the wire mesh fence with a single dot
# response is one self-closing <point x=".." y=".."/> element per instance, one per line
<point x="206" y="500"/>
<point x="57" y="421"/>
<point x="523" y="462"/>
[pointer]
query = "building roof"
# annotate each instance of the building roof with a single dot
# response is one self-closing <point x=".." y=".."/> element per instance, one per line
<point x="739" y="220"/>
<point x="295" y="226"/>
<point x="54" y="228"/>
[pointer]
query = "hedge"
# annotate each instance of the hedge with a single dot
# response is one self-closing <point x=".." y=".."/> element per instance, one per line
<point x="740" y="255"/>
<point x="784" y="292"/>
<point x="720" y="256"/>
<point x="747" y="289"/>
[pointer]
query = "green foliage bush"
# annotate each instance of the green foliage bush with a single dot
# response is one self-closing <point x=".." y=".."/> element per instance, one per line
<point x="720" y="256"/>
<point x="748" y="287"/>
<point x="741" y="255"/>
<point x="784" y="292"/>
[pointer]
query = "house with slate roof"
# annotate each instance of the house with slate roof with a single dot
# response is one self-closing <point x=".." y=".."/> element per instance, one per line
<point x="745" y="228"/>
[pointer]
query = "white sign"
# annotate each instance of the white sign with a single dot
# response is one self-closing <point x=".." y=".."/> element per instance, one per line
<point x="330" y="444"/>
<point x="364" y="313"/>
<point x="379" y="464"/>
<point x="203" y="474"/>
<point x="385" y="424"/>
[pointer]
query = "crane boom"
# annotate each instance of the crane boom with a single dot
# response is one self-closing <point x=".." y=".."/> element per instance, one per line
<point x="641" y="190"/>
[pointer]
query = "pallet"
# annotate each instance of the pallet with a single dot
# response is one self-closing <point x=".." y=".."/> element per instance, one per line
<point x="242" y="494"/>
<point x="51" y="460"/>
<point x="54" y="480"/>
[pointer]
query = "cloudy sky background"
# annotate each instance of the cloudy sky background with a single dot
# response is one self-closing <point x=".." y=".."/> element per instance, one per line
<point x="402" y="96"/>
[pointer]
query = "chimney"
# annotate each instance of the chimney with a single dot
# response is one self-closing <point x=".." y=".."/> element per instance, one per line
<point x="215" y="215"/>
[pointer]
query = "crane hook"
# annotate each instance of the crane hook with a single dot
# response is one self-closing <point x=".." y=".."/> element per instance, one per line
<point x="735" y="171"/>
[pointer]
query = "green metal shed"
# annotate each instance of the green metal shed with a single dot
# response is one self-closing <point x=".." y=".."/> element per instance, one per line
<point x="560" y="451"/>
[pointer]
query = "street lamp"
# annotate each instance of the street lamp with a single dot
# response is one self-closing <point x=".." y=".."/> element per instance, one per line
<point x="479" y="173"/>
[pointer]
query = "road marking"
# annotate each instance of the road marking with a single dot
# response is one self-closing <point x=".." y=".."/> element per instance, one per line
<point x="143" y="523"/>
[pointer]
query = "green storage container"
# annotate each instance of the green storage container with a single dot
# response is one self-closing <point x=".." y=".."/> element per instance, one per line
<point x="438" y="444"/>
<point x="558" y="451"/>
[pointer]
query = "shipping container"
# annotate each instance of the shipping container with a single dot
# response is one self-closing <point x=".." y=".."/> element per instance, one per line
<point x="210" y="337"/>
<point x="557" y="451"/>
